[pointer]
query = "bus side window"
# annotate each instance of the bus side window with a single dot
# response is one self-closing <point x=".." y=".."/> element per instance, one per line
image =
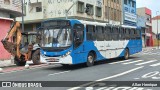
<point x="120" y="33"/>
<point x="100" y="30"/>
<point x="110" y="31"/>
<point x="107" y="33"/>
<point x="123" y="34"/>
<point x="138" y="34"/>
<point x="116" y="33"/>
<point x="127" y="33"/>
<point x="133" y="34"/>
<point x="78" y="34"/>
<point x="91" y="35"/>
<point x="113" y="33"/>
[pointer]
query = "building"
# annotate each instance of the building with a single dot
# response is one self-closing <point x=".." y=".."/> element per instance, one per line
<point x="156" y="20"/>
<point x="8" y="10"/>
<point x="129" y="12"/>
<point x="108" y="11"/>
<point x="141" y="22"/>
<point x="156" y="27"/>
<point x="113" y="11"/>
<point x="147" y="13"/>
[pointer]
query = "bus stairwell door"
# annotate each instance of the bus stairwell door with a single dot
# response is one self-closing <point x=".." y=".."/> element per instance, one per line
<point x="78" y="37"/>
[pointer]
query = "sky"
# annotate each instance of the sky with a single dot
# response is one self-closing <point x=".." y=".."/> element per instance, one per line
<point x="154" y="5"/>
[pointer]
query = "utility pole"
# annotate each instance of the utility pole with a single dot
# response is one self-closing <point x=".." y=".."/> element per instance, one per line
<point x="22" y="17"/>
<point x="157" y="30"/>
<point x="67" y="10"/>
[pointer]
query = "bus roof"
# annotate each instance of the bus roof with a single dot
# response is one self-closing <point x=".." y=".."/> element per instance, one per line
<point x="93" y="23"/>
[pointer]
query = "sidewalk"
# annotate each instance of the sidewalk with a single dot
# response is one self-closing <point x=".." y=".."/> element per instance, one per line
<point x="6" y="63"/>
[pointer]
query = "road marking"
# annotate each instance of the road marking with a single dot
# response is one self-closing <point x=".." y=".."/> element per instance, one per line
<point x="136" y="78"/>
<point x="133" y="62"/>
<point x="153" y="53"/>
<point x="113" y="76"/>
<point x="121" y="61"/>
<point x="102" y="88"/>
<point x="109" y="88"/>
<point x="116" y="88"/>
<point x="154" y="65"/>
<point x="59" y="73"/>
<point x="146" y="62"/>
<point x="149" y="53"/>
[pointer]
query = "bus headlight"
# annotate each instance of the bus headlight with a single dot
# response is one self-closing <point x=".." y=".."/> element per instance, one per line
<point x="65" y="55"/>
<point x="68" y="53"/>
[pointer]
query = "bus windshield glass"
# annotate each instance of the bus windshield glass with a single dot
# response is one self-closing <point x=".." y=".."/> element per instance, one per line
<point x="56" y="37"/>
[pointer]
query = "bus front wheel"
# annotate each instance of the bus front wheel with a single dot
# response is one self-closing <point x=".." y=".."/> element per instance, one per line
<point x="36" y="57"/>
<point x="126" y="54"/>
<point x="90" y="60"/>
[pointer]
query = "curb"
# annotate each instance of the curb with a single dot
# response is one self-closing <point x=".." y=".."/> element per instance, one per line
<point x="12" y="65"/>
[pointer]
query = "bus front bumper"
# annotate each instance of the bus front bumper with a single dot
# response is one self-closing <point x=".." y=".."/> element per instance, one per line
<point x="57" y="60"/>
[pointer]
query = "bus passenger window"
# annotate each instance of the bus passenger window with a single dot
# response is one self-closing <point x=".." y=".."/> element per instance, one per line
<point x="100" y="32"/>
<point x="138" y="34"/>
<point x="116" y="32"/>
<point x="91" y="35"/>
<point x="133" y="34"/>
<point x="120" y="33"/>
<point x="107" y="33"/>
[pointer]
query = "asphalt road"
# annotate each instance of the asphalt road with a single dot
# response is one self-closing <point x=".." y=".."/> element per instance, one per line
<point x="143" y="66"/>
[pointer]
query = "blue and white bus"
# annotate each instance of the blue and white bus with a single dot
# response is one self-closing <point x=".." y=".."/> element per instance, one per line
<point x="76" y="41"/>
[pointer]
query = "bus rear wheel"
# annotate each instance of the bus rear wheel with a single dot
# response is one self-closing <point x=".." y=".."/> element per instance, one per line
<point x="126" y="54"/>
<point x="90" y="60"/>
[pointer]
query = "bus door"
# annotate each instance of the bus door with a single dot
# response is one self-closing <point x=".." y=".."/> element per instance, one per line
<point x="78" y="45"/>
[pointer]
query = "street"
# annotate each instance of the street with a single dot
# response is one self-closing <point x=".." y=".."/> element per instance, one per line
<point x="143" y="66"/>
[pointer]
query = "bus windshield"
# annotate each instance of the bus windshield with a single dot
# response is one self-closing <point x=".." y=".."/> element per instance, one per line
<point x="56" y="37"/>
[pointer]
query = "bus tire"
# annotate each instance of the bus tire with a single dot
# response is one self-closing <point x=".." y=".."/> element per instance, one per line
<point x="36" y="57"/>
<point x="90" y="59"/>
<point x="19" y="62"/>
<point x="126" y="54"/>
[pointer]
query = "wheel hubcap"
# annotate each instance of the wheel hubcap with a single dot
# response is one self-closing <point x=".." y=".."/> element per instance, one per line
<point x="126" y="54"/>
<point x="90" y="59"/>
